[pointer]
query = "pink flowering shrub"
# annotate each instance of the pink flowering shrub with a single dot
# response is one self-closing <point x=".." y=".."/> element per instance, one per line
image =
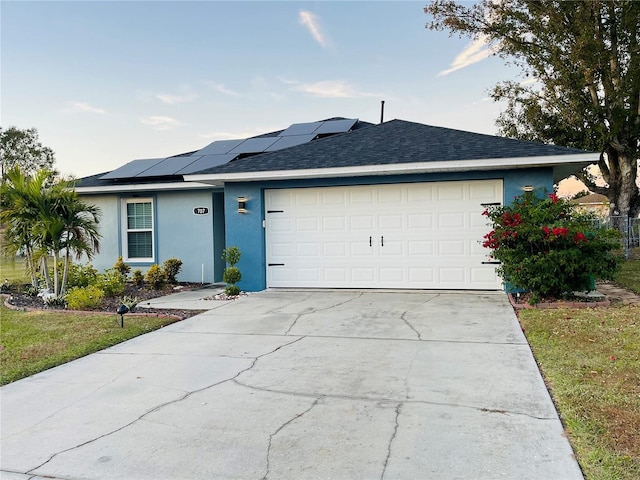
<point x="548" y="248"/>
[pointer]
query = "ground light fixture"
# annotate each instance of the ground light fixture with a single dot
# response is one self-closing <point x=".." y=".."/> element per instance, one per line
<point x="122" y="309"/>
<point x="242" y="205"/>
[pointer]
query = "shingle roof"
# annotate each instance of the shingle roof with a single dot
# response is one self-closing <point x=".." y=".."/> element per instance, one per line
<point x="393" y="142"/>
<point x="390" y="143"/>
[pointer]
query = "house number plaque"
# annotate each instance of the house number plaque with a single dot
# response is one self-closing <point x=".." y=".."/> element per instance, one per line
<point x="201" y="210"/>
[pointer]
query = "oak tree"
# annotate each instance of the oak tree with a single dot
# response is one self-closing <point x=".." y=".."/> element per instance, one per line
<point x="581" y="63"/>
<point x="22" y="149"/>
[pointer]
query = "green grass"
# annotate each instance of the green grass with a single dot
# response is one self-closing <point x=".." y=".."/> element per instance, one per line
<point x="590" y="359"/>
<point x="34" y="341"/>
<point x="629" y="275"/>
<point x="14" y="271"/>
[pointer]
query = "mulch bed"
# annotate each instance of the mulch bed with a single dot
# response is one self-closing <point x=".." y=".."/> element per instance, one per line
<point x="110" y="304"/>
<point x="522" y="301"/>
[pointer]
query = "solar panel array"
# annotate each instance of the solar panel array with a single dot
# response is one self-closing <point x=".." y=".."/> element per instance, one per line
<point x="223" y="151"/>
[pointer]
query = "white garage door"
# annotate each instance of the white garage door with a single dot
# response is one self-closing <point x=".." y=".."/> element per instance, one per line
<point x="413" y="235"/>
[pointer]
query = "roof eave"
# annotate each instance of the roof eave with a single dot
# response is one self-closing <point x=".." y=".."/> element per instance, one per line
<point x="144" y="187"/>
<point x="560" y="163"/>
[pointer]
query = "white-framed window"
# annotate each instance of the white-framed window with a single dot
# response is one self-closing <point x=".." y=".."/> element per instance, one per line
<point x="137" y="229"/>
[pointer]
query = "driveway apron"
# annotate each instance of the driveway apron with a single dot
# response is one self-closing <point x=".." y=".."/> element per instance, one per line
<point x="283" y="384"/>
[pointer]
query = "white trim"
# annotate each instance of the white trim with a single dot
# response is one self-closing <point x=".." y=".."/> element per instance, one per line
<point x="144" y="187"/>
<point x="402" y="168"/>
<point x="125" y="230"/>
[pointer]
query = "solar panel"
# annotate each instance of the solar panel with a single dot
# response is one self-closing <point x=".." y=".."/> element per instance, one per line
<point x="205" y="162"/>
<point x="254" y="145"/>
<point x="131" y="169"/>
<point x="301" y="129"/>
<point x="219" y="147"/>
<point x="336" y="126"/>
<point x="290" y="141"/>
<point x="169" y="166"/>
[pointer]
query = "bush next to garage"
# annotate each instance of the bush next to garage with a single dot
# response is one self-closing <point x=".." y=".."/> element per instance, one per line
<point x="231" y="274"/>
<point x="546" y="247"/>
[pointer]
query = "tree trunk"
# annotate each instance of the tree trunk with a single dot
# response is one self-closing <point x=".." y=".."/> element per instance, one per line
<point x="56" y="280"/>
<point x="45" y="268"/>
<point x="31" y="266"/>
<point x="65" y="273"/>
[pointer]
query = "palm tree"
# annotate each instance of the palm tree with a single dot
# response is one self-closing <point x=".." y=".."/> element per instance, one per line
<point x="67" y="226"/>
<point x="20" y="206"/>
<point x="46" y="218"/>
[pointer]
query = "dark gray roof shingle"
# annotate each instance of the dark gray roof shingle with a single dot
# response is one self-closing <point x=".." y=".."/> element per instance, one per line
<point x="393" y="142"/>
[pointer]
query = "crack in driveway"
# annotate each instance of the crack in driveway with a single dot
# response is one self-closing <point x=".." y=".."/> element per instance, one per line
<point x="161" y="406"/>
<point x="316" y="310"/>
<point x="282" y="427"/>
<point x="393" y="437"/>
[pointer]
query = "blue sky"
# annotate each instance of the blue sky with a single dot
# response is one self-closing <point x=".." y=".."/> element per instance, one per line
<point x="108" y="82"/>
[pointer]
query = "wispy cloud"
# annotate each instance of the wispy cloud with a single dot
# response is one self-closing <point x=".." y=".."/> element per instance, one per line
<point x="312" y="23"/>
<point x="475" y="52"/>
<point x="329" y="89"/>
<point x="84" y="107"/>
<point x="175" y="99"/>
<point x="220" y="88"/>
<point x="160" y="123"/>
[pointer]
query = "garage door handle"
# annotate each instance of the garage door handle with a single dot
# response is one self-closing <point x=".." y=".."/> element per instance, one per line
<point x="382" y="241"/>
<point x="370" y="244"/>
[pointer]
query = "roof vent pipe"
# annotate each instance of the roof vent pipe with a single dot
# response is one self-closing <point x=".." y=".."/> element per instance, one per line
<point x="381" y="111"/>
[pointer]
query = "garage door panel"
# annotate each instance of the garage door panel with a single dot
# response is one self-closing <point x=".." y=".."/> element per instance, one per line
<point x="420" y="248"/>
<point x="362" y="222"/>
<point x="432" y="236"/>
<point x="334" y="197"/>
<point x="334" y="224"/>
<point x="391" y="222"/>
<point x="307" y="250"/>
<point x="361" y="274"/>
<point x="420" y="220"/>
<point x="451" y="191"/>
<point x="452" y="247"/>
<point x="308" y="224"/>
<point x="482" y="190"/>
<point x="335" y="249"/>
<point x="422" y="276"/>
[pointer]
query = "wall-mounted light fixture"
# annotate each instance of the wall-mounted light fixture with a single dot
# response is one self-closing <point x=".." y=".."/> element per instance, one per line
<point x="528" y="188"/>
<point x="242" y="205"/>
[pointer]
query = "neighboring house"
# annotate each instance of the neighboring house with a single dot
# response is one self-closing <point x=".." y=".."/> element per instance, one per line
<point x="594" y="203"/>
<point x="338" y="203"/>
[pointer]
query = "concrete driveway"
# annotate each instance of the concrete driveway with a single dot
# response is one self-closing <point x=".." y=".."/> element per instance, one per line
<point x="299" y="385"/>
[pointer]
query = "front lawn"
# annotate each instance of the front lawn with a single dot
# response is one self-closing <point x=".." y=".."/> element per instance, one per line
<point x="629" y="275"/>
<point x="590" y="359"/>
<point x="34" y="341"/>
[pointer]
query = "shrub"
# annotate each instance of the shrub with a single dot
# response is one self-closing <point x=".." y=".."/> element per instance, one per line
<point x="55" y="301"/>
<point x="171" y="268"/>
<point x="122" y="267"/>
<point x="137" y="277"/>
<point x="84" y="298"/>
<point x="231" y="274"/>
<point x="231" y="255"/>
<point x="80" y="275"/>
<point x="232" y="290"/>
<point x="130" y="302"/>
<point x="155" y="277"/>
<point x="111" y="282"/>
<point x="546" y="247"/>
